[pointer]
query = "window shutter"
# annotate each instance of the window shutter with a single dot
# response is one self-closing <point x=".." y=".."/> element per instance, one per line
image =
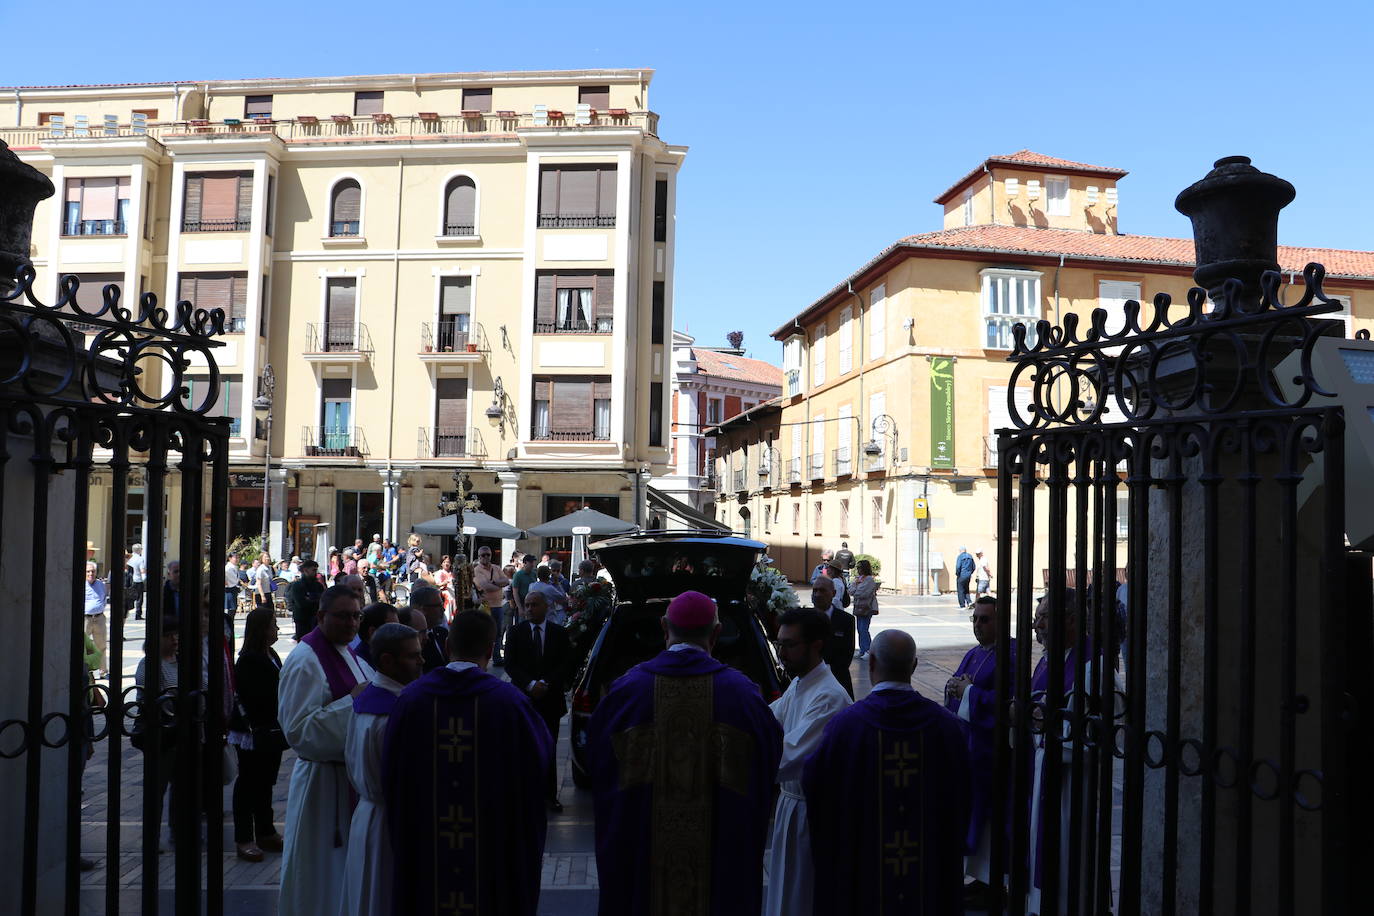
<point x="336" y="389"/>
<point x="577" y="192"/>
<point x="571" y="407"/>
<point x="455" y="295"/>
<point x="186" y="288"/>
<point x="477" y="99"/>
<point x="877" y="322"/>
<point x="245" y="200"/>
<point x="220" y="200"/>
<point x="367" y="103"/>
<point x="92" y="294"/>
<point x="348" y="201"/>
<point x="544" y="299"/>
<point x="542" y="389"/>
<point x="451" y="411"/>
<point x="239" y="297"/>
<point x="195" y="192"/>
<point x="548" y="192"/>
<point x="603" y="299"/>
<point x="215" y="292"/>
<point x="606" y="193"/>
<point x="598" y="97"/>
<point x="342" y="301"/>
<point x="73" y="190"/>
<point x="601" y="389"/>
<point x="461" y="207"/>
<point x="257" y="106"/>
<point x="98" y="199"/>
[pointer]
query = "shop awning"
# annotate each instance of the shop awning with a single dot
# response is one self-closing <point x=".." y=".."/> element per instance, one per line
<point x="693" y="518"/>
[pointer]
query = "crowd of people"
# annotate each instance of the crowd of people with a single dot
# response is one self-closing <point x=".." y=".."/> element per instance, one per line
<point x="405" y="743"/>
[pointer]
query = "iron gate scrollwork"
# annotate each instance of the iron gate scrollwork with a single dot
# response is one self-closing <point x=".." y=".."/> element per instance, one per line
<point x="103" y="388"/>
<point x="1204" y="733"/>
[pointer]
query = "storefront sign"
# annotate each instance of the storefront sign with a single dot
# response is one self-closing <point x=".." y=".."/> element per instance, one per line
<point x="942" y="412"/>
<point x="246" y="480"/>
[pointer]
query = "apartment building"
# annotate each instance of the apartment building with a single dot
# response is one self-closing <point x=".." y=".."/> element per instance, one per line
<point x="885" y="430"/>
<point x="709" y="385"/>
<point x="457" y="271"/>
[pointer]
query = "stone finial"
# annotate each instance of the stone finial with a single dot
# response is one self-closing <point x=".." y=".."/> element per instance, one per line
<point x="1235" y="214"/>
<point x="21" y="188"/>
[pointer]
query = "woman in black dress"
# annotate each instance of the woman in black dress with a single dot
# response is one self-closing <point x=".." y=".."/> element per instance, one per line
<point x="257" y="736"/>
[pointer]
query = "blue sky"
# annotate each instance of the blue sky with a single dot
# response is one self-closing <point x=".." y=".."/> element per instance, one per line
<point x="820" y="133"/>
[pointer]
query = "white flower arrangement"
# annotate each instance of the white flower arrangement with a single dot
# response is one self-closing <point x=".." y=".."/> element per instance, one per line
<point x="772" y="587"/>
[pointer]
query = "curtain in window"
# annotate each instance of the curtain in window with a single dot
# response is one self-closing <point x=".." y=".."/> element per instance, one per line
<point x="541" y="419"/>
<point x="602" y="410"/>
<point x="573" y="308"/>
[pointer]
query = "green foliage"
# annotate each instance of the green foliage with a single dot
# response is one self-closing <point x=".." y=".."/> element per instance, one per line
<point x="873" y="561"/>
<point x="248" y="549"/>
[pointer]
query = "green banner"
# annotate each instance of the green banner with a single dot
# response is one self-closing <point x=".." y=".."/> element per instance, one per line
<point x="942" y="412"/>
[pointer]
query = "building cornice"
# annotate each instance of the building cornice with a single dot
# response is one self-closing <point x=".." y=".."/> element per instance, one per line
<point x="643" y="75"/>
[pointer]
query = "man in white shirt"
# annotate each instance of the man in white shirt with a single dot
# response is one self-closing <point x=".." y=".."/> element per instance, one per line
<point x="231" y="584"/>
<point x="262" y="582"/>
<point x="95" y="615"/>
<point x="396" y="650"/>
<point x="138" y="568"/>
<point x="803" y="711"/>
<point x="319" y="680"/>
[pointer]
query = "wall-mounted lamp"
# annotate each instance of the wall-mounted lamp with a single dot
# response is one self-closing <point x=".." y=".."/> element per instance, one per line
<point x="496" y="413"/>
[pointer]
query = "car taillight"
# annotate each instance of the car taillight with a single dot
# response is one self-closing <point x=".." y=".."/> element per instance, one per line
<point x="582" y="702"/>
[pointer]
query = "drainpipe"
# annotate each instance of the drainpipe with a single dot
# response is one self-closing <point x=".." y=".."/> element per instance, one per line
<point x="1056" y="290"/>
<point x="18" y="108"/>
<point x="992" y="192"/>
<point x="393" y="492"/>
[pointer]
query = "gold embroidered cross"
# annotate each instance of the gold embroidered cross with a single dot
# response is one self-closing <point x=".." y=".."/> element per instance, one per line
<point x="457" y="903"/>
<point x="902" y="852"/>
<point x="457" y="743"/>
<point x="455" y="821"/>
<point x="901" y="763"/>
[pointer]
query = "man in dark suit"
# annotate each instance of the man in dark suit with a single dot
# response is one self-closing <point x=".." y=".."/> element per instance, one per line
<point x="538" y="653"/>
<point x="427" y="600"/>
<point x="839" y="647"/>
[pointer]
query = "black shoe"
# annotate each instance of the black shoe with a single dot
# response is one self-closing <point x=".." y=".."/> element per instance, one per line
<point x="138" y="617"/>
<point x="555" y="806"/>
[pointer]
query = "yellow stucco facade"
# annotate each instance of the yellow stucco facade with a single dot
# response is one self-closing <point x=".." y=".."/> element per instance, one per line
<point x="444" y="272"/>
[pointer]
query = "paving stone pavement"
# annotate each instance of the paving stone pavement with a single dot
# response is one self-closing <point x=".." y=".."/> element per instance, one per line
<point x="568" y="878"/>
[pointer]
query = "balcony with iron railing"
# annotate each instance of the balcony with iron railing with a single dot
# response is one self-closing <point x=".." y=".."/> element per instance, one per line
<point x="794" y="470"/>
<point x="459" y="230"/>
<point x="337" y="341"/>
<point x="599" y="325"/>
<point x="345" y="228"/>
<point x="597" y="433"/>
<point x="450" y="442"/>
<point x="448" y="341"/>
<point x="582" y="221"/>
<point x="816" y="467"/>
<point x="842" y="461"/>
<point x="233" y="224"/>
<point x="333" y="442"/>
<point x="467" y="126"/>
<point x="75" y="228"/>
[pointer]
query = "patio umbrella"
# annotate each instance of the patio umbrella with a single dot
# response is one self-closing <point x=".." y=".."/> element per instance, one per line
<point x="486" y="526"/>
<point x="599" y="522"/>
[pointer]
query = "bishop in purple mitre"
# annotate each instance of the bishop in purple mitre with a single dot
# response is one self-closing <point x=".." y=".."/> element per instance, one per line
<point x="464" y="767"/>
<point x="683" y="753"/>
<point x="887" y="795"/>
<point x="971" y="694"/>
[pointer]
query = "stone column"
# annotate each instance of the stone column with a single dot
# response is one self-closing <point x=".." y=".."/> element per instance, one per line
<point x="391" y="484"/>
<point x="510" y="498"/>
<point x="276" y="522"/>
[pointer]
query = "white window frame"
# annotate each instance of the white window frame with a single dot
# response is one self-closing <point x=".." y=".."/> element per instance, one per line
<point x="719" y="405"/>
<point x="1112" y="296"/>
<point x="796" y="516"/>
<point x="846" y="340"/>
<point x="817" y="447"/>
<point x="968" y="207"/>
<point x="792" y="364"/>
<point x="1056" y="205"/>
<point x="876" y="515"/>
<point x="1345" y="314"/>
<point x="818" y="357"/>
<point x="328" y="235"/>
<point x="443" y="205"/>
<point x="877" y="322"/>
<point x="1009" y="295"/>
<point x="844" y="517"/>
<point x="818" y="517"/>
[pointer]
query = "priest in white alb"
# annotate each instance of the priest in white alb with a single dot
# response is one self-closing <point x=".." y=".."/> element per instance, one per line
<point x="395" y="650"/>
<point x="803" y="710"/>
<point x="319" y="680"/>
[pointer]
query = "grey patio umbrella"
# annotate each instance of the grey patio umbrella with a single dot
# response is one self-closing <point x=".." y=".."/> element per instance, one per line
<point x="599" y="522"/>
<point x="486" y="525"/>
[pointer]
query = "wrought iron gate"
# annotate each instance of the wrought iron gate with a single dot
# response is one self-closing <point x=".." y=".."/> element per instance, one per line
<point x="1206" y="769"/>
<point x="88" y="387"/>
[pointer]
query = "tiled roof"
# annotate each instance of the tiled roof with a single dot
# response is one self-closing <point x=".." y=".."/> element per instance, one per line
<point x="1028" y="158"/>
<point x="1147" y="249"/>
<point x="740" y="368"/>
<point x="1002" y="242"/>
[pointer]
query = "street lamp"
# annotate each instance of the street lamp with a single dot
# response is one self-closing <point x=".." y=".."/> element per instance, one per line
<point x="262" y="406"/>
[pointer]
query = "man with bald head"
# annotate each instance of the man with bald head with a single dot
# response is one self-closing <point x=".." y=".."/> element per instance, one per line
<point x="888" y="787"/>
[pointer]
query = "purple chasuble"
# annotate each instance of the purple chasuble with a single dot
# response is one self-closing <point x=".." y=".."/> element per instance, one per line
<point x="683" y="754"/>
<point x="887" y="799"/>
<point x="980" y="665"/>
<point x="374" y="701"/>
<point x="336" y="671"/>
<point x="465" y="771"/>
<point x="1040" y="687"/>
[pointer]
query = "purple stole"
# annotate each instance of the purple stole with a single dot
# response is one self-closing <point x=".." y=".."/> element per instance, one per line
<point x="341" y="683"/>
<point x="374" y="701"/>
<point x="336" y="672"/>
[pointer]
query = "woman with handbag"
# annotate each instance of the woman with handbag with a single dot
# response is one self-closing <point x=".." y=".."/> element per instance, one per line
<point x="257" y="736"/>
<point x="864" y="591"/>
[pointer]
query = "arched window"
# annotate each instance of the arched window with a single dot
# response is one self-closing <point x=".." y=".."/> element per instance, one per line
<point x="345" y="209"/>
<point x="460" y="207"/>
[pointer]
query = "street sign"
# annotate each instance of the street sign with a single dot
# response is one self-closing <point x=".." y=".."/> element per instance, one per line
<point x="920" y="508"/>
